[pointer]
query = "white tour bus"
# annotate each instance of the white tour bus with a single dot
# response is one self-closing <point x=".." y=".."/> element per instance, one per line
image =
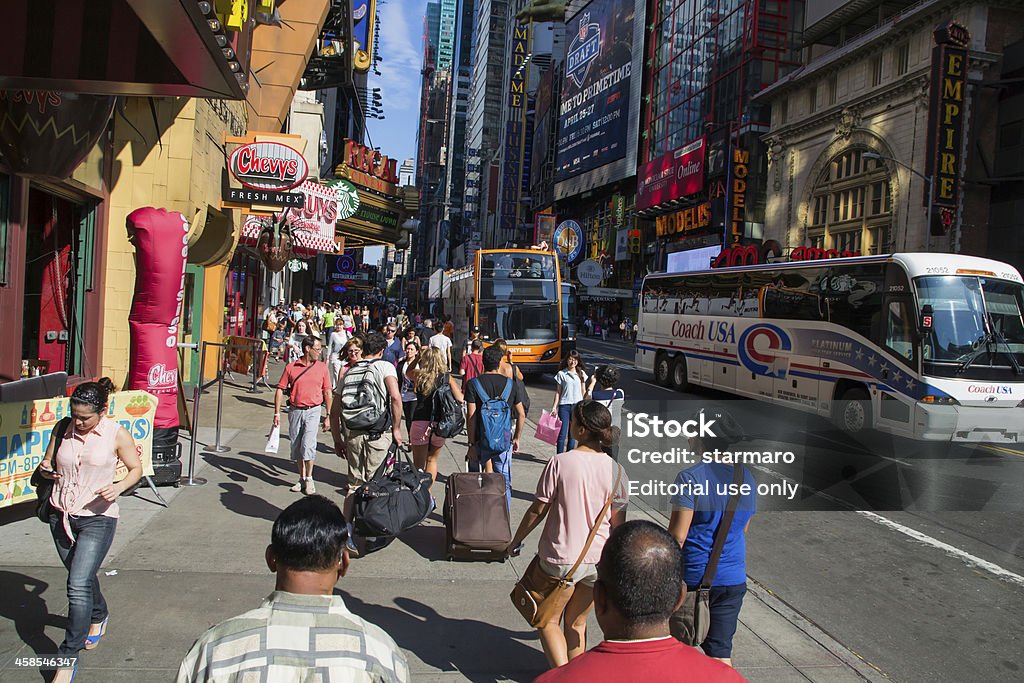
<point x="927" y="346"/>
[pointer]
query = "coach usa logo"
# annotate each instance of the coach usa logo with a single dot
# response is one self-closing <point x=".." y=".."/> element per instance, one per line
<point x="756" y="347"/>
<point x="583" y="50"/>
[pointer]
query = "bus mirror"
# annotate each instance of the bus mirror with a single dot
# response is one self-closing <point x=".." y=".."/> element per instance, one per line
<point x="926" y="318"/>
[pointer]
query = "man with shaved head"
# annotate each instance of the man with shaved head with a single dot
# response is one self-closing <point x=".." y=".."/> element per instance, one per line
<point x="639" y="585"/>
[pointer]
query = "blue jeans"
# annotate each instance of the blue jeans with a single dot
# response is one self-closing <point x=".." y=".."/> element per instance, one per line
<point x="86" y="606"/>
<point x="503" y="465"/>
<point x="725" y="603"/>
<point x="565" y="414"/>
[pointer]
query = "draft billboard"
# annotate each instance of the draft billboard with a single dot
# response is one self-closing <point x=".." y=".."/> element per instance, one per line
<point x="593" y="114"/>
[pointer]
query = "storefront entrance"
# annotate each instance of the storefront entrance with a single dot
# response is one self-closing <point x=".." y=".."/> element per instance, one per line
<point x="58" y="271"/>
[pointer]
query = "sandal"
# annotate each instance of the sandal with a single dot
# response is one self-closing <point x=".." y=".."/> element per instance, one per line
<point x="92" y="641"/>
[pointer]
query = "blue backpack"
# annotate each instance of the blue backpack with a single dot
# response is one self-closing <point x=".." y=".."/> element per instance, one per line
<point x="495" y="420"/>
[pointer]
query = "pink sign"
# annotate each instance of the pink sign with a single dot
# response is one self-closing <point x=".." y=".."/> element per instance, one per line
<point x="673" y="175"/>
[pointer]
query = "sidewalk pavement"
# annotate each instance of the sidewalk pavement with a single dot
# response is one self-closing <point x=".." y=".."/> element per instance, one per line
<point x="173" y="572"/>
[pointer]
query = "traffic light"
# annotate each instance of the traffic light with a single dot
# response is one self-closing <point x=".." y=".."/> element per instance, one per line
<point x="634" y="241"/>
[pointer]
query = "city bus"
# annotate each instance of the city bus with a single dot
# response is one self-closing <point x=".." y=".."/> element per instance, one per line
<point x="926" y="346"/>
<point x="515" y="295"/>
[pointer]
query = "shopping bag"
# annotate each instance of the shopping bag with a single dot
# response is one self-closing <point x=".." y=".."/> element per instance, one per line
<point x="548" y="427"/>
<point x="273" y="440"/>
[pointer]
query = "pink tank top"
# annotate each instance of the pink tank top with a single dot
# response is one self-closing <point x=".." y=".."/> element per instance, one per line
<point x="86" y="463"/>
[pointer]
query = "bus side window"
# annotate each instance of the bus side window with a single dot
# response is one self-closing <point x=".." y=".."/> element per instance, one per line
<point x="899" y="332"/>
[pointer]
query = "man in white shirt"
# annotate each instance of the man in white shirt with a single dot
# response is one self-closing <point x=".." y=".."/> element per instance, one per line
<point x="443" y="343"/>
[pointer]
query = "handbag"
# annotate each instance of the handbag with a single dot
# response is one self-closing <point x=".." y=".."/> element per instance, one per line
<point x="691" y="622"/>
<point x="540" y="597"/>
<point x="42" y="485"/>
<point x="548" y="427"/>
<point x="396" y="498"/>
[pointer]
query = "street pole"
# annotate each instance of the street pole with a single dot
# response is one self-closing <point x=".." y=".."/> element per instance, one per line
<point x="928" y="221"/>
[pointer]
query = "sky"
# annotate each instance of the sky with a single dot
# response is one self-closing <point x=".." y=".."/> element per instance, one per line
<point x="401" y="51"/>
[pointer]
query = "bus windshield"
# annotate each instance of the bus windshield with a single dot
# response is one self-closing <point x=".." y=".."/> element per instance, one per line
<point x="517" y="276"/>
<point x="518" y="322"/>
<point x="973" y="319"/>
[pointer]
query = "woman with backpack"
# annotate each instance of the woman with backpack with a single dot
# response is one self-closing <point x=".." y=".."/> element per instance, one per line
<point x="572" y="493"/>
<point x="428" y="377"/>
<point x="406" y="368"/>
<point x="570" y="381"/>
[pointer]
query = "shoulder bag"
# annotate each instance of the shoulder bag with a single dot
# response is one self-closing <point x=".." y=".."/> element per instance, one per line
<point x="540" y="597"/>
<point x="42" y="485"/>
<point x="690" y="624"/>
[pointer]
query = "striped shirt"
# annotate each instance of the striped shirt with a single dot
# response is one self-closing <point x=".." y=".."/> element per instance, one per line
<point x="294" y="638"/>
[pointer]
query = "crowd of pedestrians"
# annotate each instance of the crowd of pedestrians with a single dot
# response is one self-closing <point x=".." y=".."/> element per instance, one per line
<point x="362" y="373"/>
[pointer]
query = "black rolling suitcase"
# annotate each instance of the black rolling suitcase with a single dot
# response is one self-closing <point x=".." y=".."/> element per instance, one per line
<point x="476" y="518"/>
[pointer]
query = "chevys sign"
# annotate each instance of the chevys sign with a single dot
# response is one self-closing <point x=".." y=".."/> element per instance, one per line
<point x="268" y="166"/>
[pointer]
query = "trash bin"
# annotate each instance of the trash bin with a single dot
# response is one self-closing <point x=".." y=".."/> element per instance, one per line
<point x="166" y="456"/>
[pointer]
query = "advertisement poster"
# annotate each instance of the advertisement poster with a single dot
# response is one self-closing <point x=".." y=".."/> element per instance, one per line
<point x="25" y="428"/>
<point x="593" y="114"/>
<point x="671" y="176"/>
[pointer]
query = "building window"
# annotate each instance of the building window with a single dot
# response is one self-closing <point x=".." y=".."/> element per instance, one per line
<point x="876" y="70"/>
<point x="812" y="99"/>
<point x="833" y="88"/>
<point x="851" y="205"/>
<point x="902" y="59"/>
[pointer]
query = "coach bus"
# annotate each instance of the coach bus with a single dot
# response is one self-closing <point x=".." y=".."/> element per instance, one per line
<point x="927" y="346"/>
<point x="515" y="295"/>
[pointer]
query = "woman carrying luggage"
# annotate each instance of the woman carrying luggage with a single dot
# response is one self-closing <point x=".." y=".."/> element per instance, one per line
<point x="572" y="492"/>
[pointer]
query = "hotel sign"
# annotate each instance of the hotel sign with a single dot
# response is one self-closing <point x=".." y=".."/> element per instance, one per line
<point x="947" y="104"/>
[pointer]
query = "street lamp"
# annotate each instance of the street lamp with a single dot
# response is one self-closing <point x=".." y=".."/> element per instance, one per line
<point x="928" y="222"/>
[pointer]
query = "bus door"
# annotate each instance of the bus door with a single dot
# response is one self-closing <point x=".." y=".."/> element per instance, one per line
<point x="900" y="338"/>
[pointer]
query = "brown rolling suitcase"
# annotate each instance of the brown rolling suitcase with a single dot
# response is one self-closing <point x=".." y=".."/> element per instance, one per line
<point x="476" y="517"/>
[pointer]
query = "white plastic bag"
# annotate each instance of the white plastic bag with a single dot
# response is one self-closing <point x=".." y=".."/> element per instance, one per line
<point x="274" y="440"/>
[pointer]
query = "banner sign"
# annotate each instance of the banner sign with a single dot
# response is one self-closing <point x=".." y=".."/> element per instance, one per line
<point x="946" y="109"/>
<point x="512" y="167"/>
<point x="738" y="195"/>
<point x="242" y="195"/>
<point x="622" y="245"/>
<point x="25" y="428"/>
<point x="671" y="176"/>
<point x="593" y="114"/>
<point x="544" y="227"/>
<point x="364" y="22"/>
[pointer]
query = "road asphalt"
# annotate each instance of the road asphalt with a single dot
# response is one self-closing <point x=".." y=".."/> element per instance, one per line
<point x="173" y="572"/>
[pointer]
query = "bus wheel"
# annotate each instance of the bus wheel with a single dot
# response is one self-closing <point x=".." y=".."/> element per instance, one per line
<point x="663" y="370"/>
<point x="679" y="382"/>
<point x="853" y="412"/>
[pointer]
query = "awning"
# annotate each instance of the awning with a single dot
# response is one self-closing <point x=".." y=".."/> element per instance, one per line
<point x="122" y="47"/>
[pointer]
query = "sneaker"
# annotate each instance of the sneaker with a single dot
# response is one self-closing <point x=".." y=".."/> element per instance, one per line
<point x="300" y="487"/>
<point x="351" y="544"/>
<point x="310" y="486"/>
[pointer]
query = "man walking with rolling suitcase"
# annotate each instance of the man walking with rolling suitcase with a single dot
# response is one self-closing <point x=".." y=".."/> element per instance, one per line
<point x="491" y="401"/>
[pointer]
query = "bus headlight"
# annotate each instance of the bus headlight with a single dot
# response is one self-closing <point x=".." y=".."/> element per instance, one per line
<point x="940" y="400"/>
<point x="549" y="354"/>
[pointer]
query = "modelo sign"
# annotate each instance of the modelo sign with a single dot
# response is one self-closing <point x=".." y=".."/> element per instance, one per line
<point x="268" y="166"/>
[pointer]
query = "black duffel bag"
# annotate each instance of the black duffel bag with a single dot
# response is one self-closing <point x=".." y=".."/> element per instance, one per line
<point x="396" y="498"/>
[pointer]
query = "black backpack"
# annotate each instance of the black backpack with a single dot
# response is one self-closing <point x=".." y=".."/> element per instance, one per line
<point x="447" y="419"/>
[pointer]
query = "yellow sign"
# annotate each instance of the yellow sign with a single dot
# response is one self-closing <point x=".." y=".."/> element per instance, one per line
<point x="25" y="429"/>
